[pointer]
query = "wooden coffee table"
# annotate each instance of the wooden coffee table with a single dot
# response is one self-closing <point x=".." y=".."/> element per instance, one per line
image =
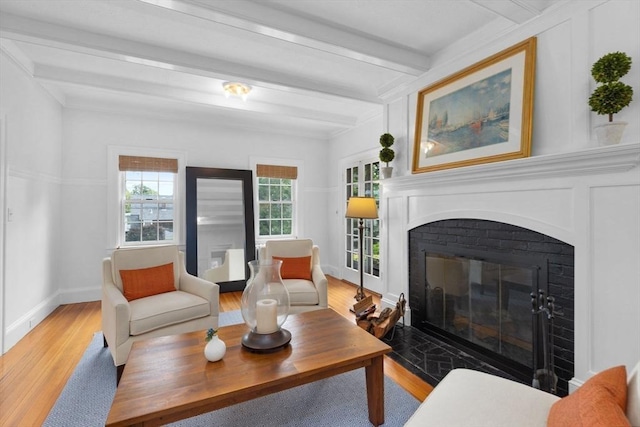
<point x="168" y="378"/>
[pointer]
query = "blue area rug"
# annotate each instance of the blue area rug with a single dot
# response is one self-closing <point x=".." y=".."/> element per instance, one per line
<point x="336" y="401"/>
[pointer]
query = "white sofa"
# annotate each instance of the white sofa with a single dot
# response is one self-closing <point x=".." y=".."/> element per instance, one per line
<point x="466" y="398"/>
<point x="193" y="306"/>
<point x="304" y="295"/>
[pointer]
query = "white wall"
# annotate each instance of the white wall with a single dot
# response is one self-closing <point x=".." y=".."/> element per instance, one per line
<point x="33" y="126"/>
<point x="84" y="197"/>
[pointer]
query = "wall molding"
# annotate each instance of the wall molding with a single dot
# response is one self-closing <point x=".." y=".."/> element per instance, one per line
<point x="17" y="172"/>
<point x="593" y="161"/>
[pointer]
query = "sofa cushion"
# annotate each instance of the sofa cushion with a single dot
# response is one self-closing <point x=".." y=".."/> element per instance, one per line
<point x="158" y="311"/>
<point x="295" y="268"/>
<point x="470" y="398"/>
<point x="145" y="282"/>
<point x="601" y="401"/>
<point x="301" y="292"/>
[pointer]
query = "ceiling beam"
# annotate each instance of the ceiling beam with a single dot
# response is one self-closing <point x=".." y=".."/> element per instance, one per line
<point x="27" y="30"/>
<point x="258" y="18"/>
<point x="51" y="74"/>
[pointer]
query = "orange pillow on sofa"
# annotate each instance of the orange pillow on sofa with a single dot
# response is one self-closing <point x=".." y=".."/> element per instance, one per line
<point x="295" y="268"/>
<point x="145" y="282"/>
<point x="599" y="402"/>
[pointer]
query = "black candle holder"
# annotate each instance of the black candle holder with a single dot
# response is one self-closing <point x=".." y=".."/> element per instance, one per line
<point x="266" y="343"/>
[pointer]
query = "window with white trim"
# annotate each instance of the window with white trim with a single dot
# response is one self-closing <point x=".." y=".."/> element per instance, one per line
<point x="276" y="200"/>
<point x="148" y="197"/>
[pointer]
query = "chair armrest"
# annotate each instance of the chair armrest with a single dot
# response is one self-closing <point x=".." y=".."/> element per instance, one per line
<point x="320" y="281"/>
<point x="203" y="288"/>
<point x="116" y="314"/>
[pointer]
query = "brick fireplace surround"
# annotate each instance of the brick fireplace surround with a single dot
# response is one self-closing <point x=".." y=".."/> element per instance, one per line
<point x="589" y="199"/>
<point x="499" y="242"/>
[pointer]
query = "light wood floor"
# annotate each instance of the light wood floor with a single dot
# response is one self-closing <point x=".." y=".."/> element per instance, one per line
<point x="34" y="371"/>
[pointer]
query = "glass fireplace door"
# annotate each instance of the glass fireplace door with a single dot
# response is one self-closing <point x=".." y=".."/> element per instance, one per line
<point x="485" y="303"/>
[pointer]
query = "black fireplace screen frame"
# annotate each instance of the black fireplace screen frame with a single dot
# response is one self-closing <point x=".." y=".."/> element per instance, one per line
<point x="536" y="264"/>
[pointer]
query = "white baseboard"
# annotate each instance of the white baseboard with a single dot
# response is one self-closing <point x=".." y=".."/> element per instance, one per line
<point x="21" y="327"/>
<point x="73" y="296"/>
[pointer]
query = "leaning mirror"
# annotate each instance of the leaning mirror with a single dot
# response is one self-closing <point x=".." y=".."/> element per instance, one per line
<point x="220" y="229"/>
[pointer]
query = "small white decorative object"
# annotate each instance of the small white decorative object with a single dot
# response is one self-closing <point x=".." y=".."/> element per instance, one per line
<point x="266" y="316"/>
<point x="215" y="348"/>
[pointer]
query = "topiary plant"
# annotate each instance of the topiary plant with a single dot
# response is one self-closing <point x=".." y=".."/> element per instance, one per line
<point x="613" y="95"/>
<point x="386" y="154"/>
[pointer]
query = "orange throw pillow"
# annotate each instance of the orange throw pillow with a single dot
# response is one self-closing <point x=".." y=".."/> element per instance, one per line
<point x="147" y="281"/>
<point x="599" y="402"/>
<point x="295" y="268"/>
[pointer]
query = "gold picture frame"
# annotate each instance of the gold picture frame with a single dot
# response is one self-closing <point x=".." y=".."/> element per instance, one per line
<point x="481" y="114"/>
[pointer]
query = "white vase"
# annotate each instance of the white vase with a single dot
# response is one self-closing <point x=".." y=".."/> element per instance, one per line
<point x="215" y="349"/>
<point x="610" y="133"/>
<point x="386" y="171"/>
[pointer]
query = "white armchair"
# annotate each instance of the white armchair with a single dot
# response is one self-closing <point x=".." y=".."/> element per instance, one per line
<point x="191" y="304"/>
<point x="304" y="295"/>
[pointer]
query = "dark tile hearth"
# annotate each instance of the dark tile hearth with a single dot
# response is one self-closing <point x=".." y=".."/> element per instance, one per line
<point x="429" y="358"/>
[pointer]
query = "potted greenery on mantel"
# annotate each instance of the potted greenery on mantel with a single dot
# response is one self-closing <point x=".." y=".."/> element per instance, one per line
<point x="612" y="95"/>
<point x="386" y="154"/>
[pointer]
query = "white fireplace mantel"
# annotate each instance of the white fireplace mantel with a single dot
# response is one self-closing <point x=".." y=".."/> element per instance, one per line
<point x="589" y="199"/>
<point x="600" y="160"/>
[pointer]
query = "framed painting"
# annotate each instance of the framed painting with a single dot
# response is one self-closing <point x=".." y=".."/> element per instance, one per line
<point x="481" y="114"/>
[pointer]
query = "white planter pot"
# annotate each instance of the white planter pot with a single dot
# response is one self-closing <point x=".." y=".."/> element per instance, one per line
<point x="215" y="349"/>
<point x="610" y="133"/>
<point x="386" y="172"/>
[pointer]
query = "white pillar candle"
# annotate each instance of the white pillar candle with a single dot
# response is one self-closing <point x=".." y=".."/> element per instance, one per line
<point x="266" y="316"/>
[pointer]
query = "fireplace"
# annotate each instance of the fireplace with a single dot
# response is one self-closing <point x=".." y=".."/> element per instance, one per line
<point x="498" y="291"/>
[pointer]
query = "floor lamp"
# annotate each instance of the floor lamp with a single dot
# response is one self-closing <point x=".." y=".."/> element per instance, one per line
<point x="361" y="208"/>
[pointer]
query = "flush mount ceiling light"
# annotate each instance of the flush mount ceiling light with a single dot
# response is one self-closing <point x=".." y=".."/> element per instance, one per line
<point x="236" y="89"/>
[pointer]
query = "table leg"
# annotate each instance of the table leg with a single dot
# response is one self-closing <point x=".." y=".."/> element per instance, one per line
<point x="375" y="390"/>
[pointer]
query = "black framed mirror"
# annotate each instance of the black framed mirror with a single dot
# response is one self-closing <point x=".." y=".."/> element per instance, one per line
<point x="220" y="225"/>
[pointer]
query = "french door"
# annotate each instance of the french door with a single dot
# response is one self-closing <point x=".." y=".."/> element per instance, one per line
<point x="362" y="179"/>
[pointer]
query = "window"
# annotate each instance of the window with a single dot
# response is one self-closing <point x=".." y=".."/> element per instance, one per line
<point x="276" y="200"/>
<point x="148" y="199"/>
<point x="362" y="180"/>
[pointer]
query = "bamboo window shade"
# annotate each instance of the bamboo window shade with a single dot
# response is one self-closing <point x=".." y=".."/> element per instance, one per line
<point x="148" y="164"/>
<point x="275" y="171"/>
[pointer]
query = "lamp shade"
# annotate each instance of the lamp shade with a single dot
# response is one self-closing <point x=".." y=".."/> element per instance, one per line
<point x="362" y="207"/>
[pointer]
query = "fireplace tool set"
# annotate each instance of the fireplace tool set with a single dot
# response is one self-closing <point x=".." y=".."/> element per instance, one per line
<point x="543" y="312"/>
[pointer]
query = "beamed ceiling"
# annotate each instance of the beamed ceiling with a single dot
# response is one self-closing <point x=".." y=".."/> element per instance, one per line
<point x="316" y="68"/>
